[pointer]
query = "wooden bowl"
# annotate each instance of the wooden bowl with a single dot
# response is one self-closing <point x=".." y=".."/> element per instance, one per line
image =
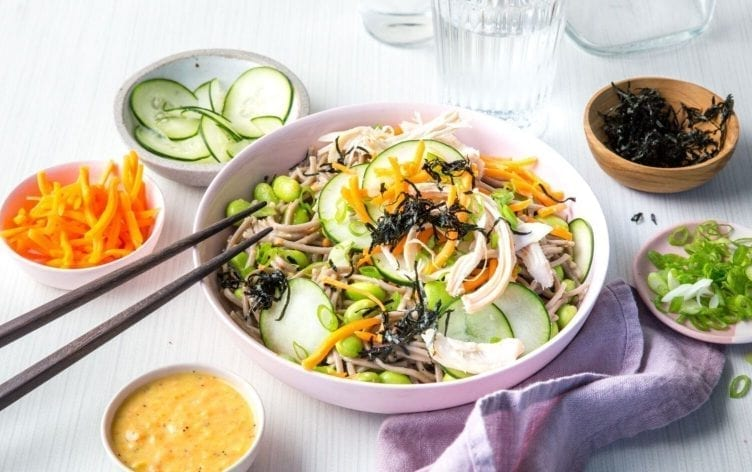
<point x="648" y="178"/>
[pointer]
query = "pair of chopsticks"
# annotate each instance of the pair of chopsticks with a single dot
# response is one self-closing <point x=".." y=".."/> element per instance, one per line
<point x="27" y="380"/>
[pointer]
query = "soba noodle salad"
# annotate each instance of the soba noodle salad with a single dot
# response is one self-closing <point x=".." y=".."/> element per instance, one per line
<point x="400" y="254"/>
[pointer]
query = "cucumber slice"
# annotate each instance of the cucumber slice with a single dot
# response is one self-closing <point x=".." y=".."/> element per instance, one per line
<point x="582" y="234"/>
<point x="527" y="315"/>
<point x="381" y="263"/>
<point x="401" y="275"/>
<point x="337" y="219"/>
<point x="216" y="96"/>
<point x="260" y="91"/>
<point x="202" y="94"/>
<point x="488" y="325"/>
<point x="299" y="332"/>
<point x="190" y="149"/>
<point x="216" y="117"/>
<point x="236" y="146"/>
<point x="149" y="101"/>
<point x="403" y="152"/>
<point x="268" y="124"/>
<point x="217" y="139"/>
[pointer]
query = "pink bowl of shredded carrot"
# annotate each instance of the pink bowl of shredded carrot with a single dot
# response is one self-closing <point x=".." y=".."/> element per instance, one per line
<point x="73" y="223"/>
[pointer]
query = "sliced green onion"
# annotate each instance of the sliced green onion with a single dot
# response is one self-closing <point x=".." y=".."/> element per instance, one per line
<point x="679" y="236"/>
<point x="326" y="318"/>
<point x="509" y="216"/>
<point x="748" y="357"/>
<point x="357" y="228"/>
<point x="709" y="254"/>
<point x="740" y="385"/>
<point x="341" y="213"/>
<point x="371" y="271"/>
<point x="300" y="352"/>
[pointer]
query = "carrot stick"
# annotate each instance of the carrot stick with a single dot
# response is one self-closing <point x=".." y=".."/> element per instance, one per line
<point x="471" y="284"/>
<point x="341" y="333"/>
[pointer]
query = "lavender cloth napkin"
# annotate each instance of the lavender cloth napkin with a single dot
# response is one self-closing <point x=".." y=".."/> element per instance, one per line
<point x="624" y="373"/>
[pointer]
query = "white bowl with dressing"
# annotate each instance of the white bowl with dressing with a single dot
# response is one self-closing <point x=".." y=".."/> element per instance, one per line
<point x="178" y="429"/>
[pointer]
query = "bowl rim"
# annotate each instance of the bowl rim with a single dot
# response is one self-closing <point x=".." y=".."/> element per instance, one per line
<point x="120" y="107"/>
<point x="602" y="152"/>
<point x="239" y="384"/>
<point x="156" y="230"/>
<point x="596" y="281"/>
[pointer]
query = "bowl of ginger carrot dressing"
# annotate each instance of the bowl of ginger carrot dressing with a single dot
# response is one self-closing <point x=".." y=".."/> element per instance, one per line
<point x="184" y="417"/>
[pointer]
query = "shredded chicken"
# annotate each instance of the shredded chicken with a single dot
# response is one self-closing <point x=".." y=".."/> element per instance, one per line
<point x="537" y="265"/>
<point x="471" y="357"/>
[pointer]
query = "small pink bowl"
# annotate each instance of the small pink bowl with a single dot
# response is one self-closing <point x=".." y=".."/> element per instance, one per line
<point x="69" y="279"/>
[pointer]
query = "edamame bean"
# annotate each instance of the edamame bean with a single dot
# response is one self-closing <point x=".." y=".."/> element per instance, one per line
<point x="293" y="256"/>
<point x="559" y="271"/>
<point x="350" y="346"/>
<point x="565" y="314"/>
<point x="356" y="311"/>
<point x="357" y="290"/>
<point x="286" y="188"/>
<point x="568" y="284"/>
<point x="263" y="192"/>
<point x="389" y="377"/>
<point x="437" y="297"/>
<point x="236" y="206"/>
<point x="367" y="376"/>
<point x="325" y="369"/>
<point x="300" y="216"/>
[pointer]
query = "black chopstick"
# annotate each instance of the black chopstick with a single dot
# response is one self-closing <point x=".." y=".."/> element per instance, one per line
<point x="41" y="315"/>
<point x="29" y="379"/>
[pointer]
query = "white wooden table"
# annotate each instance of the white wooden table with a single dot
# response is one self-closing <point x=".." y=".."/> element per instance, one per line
<point x="62" y="63"/>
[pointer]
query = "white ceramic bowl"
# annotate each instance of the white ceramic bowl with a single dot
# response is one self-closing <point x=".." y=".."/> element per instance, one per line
<point x="241" y="385"/>
<point x="281" y="150"/>
<point x="69" y="279"/>
<point x="192" y="68"/>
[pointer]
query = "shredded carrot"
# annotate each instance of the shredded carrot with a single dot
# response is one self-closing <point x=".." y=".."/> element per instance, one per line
<point x="495" y="161"/>
<point x="519" y="206"/>
<point x="344" y="286"/>
<point x="342" y="168"/>
<point x="369" y="337"/>
<point x="84" y="223"/>
<point x="471" y="284"/>
<point x="341" y="333"/>
<point x="550" y="210"/>
<point x="442" y="257"/>
<point x="562" y="233"/>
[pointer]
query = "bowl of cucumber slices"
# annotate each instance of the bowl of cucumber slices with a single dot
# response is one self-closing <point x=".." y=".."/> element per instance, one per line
<point x="190" y="113"/>
<point x="421" y="255"/>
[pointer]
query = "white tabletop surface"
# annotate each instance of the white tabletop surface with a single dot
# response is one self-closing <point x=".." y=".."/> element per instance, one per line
<point x="62" y="64"/>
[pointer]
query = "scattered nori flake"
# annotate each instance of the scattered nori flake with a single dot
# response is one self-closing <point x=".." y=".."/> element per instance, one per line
<point x="398" y="334"/>
<point x="264" y="288"/>
<point x="545" y="190"/>
<point x="637" y="218"/>
<point x="414" y="210"/>
<point x="654" y="219"/>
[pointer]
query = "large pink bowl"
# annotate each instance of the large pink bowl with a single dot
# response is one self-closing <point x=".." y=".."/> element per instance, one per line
<point x="284" y="148"/>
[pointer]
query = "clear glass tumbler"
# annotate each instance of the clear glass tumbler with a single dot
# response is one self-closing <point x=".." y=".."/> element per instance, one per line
<point x="398" y="22"/>
<point x="609" y="27"/>
<point x="499" y="56"/>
